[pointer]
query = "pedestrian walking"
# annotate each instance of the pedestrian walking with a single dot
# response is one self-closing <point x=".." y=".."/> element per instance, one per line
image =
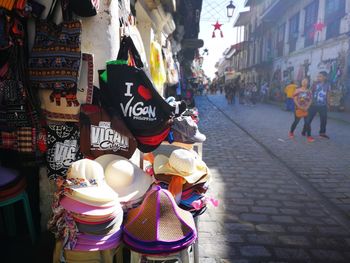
<point x="254" y="91"/>
<point x="302" y="99"/>
<point x="320" y="94"/>
<point x="289" y="91"/>
<point x="264" y="92"/>
<point x="241" y="91"/>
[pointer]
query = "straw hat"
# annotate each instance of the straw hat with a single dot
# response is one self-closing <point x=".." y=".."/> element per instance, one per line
<point x="85" y="183"/>
<point x="159" y="225"/>
<point x="124" y="177"/>
<point x="181" y="163"/>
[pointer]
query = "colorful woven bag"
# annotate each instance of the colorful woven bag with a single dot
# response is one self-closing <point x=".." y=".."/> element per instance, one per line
<point x="55" y="59"/>
<point x="55" y="111"/>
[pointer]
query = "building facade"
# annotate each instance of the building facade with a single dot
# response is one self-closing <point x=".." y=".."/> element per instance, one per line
<point x="290" y="40"/>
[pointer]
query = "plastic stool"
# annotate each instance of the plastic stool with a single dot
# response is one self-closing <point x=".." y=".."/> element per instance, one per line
<point x="9" y="213"/>
<point x="183" y="257"/>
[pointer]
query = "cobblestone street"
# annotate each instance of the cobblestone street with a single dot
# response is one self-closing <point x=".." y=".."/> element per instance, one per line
<point x="281" y="200"/>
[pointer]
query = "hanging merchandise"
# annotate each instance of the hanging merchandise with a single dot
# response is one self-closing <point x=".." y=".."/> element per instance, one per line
<point x="157" y="67"/>
<point x="131" y="93"/>
<point x="132" y="30"/>
<point x="171" y="67"/>
<point x="159" y="226"/>
<point x="55" y="58"/>
<point x="102" y="134"/>
<point x="18" y="115"/>
<point x="56" y="111"/>
<point x="63" y="148"/>
<point x="84" y="8"/>
<point x="217" y="26"/>
<point x="13" y="103"/>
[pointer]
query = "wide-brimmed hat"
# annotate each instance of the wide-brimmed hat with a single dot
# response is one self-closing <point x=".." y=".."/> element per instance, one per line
<point x="159" y="225"/>
<point x="166" y="178"/>
<point x="124" y="177"/>
<point x="183" y="163"/>
<point x="86" y="183"/>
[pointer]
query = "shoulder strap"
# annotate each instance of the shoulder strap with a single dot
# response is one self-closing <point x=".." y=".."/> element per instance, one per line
<point x="66" y="14"/>
<point x="127" y="48"/>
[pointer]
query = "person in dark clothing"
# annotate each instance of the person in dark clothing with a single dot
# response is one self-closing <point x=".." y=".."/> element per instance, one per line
<point x="320" y="92"/>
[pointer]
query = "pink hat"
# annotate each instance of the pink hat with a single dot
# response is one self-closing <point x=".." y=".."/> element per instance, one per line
<point x="77" y="207"/>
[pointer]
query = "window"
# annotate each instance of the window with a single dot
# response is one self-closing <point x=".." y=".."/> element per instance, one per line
<point x="293" y="32"/>
<point x="280" y="39"/>
<point x="311" y="12"/>
<point x="334" y="11"/>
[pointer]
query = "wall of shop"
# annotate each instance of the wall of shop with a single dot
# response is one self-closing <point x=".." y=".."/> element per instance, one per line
<point x="313" y="55"/>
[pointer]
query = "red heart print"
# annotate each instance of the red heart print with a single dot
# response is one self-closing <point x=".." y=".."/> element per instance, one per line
<point x="144" y="92"/>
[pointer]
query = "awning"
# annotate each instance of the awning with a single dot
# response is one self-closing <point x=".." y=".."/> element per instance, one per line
<point x="277" y="7"/>
<point x="243" y="18"/>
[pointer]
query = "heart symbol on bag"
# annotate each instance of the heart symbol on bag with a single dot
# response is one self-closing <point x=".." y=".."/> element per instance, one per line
<point x="144" y="92"/>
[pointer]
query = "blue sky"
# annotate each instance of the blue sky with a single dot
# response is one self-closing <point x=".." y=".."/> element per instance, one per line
<point x="213" y="10"/>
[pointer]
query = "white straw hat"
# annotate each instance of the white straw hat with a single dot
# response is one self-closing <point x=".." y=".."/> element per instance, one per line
<point x="124" y="177"/>
<point x="86" y="183"/>
<point x="181" y="162"/>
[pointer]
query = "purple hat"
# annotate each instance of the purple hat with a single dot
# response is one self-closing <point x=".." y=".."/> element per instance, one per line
<point x="87" y="242"/>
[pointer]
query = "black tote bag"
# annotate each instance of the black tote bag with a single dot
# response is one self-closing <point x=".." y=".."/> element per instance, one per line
<point x="131" y="92"/>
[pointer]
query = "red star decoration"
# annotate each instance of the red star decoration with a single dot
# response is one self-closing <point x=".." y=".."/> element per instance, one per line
<point x="217" y="26"/>
<point x="319" y="26"/>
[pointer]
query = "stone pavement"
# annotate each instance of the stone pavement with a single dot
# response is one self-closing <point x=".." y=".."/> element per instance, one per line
<point x="281" y="200"/>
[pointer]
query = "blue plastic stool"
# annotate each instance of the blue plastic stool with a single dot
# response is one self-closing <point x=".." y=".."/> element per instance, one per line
<point x="9" y="214"/>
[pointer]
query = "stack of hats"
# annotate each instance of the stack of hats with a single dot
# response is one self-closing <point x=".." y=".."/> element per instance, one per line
<point x="11" y="184"/>
<point x="159" y="226"/>
<point x="193" y="113"/>
<point x="94" y="207"/>
<point x="185" y="130"/>
<point x="129" y="181"/>
<point x="186" y="176"/>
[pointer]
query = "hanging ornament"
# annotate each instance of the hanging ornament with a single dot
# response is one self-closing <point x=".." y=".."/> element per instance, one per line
<point x="217" y="26"/>
<point x="318" y="27"/>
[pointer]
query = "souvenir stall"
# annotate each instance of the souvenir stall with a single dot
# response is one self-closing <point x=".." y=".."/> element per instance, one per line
<point x="96" y="122"/>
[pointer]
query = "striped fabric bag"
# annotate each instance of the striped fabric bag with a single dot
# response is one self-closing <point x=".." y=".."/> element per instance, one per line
<point x="55" y="58"/>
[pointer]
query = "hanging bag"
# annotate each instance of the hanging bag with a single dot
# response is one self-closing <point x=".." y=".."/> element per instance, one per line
<point x="62" y="148"/>
<point x="101" y="133"/>
<point x="84" y="8"/>
<point x="300" y="113"/>
<point x="133" y="95"/>
<point x="56" y="54"/>
<point x="54" y="112"/>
